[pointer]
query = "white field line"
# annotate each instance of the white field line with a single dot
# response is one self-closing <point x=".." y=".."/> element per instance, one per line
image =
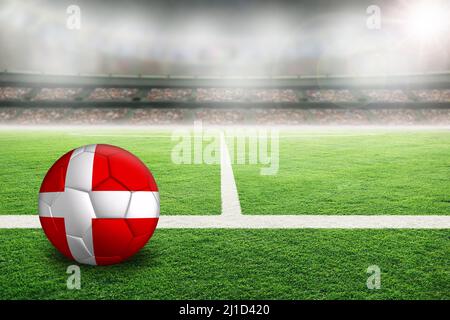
<point x="232" y="218"/>
<point x="231" y="206"/>
<point x="270" y="222"/>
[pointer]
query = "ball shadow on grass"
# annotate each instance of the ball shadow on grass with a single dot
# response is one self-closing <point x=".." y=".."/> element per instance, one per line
<point x="145" y="257"/>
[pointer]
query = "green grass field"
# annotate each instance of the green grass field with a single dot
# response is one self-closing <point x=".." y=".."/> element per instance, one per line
<point x="239" y="264"/>
<point x="339" y="172"/>
<point x="26" y="156"/>
<point x="321" y="172"/>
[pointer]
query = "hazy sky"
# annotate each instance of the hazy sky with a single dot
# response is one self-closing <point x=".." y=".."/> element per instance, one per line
<point x="224" y="37"/>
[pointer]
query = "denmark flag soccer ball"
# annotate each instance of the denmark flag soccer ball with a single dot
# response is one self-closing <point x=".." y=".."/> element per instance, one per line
<point x="98" y="204"/>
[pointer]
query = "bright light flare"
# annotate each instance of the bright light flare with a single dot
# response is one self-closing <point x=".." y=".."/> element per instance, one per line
<point x="427" y="20"/>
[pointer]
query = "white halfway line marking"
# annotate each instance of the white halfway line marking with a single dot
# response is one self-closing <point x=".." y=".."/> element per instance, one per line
<point x="270" y="222"/>
<point x="231" y="206"/>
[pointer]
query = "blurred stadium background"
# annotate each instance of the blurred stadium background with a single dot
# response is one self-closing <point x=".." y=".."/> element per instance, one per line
<point x="243" y="62"/>
<point x="38" y="99"/>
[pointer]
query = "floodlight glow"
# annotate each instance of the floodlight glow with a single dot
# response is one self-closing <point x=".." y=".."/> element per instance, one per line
<point x="427" y="20"/>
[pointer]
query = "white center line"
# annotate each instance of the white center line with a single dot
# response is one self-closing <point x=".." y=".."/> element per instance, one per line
<point x="231" y="206"/>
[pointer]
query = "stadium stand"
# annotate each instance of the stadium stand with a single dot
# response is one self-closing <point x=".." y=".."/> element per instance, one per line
<point x="56" y="94"/>
<point x="331" y="96"/>
<point x="13" y="93"/>
<point x="157" y="116"/>
<point x="168" y="94"/>
<point x="165" y="116"/>
<point x="386" y="96"/>
<point x="432" y="95"/>
<point x="38" y="100"/>
<point x="112" y="94"/>
<point x="230" y="95"/>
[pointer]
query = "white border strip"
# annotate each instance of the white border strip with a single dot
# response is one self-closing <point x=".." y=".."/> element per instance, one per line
<point x="270" y="222"/>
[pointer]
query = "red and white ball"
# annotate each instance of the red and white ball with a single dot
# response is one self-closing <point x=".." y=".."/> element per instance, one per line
<point x="99" y="204"/>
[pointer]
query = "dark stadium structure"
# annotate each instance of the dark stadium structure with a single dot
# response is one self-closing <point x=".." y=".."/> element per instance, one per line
<point x="32" y="98"/>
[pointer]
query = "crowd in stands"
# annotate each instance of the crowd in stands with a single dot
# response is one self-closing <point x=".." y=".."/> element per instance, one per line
<point x="272" y="95"/>
<point x="169" y="94"/>
<point x="31" y="116"/>
<point x="8" y="115"/>
<point x="238" y="95"/>
<point x="97" y="116"/>
<point x="148" y="116"/>
<point x="381" y="95"/>
<point x="112" y="94"/>
<point x="353" y="116"/>
<point x="220" y="95"/>
<point x="13" y="93"/>
<point x="430" y="95"/>
<point x="56" y="94"/>
<point x="330" y="95"/>
<point x="45" y="116"/>
<point x="222" y="116"/>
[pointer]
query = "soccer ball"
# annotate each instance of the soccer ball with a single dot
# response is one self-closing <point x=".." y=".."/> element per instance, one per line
<point x="98" y="204"/>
